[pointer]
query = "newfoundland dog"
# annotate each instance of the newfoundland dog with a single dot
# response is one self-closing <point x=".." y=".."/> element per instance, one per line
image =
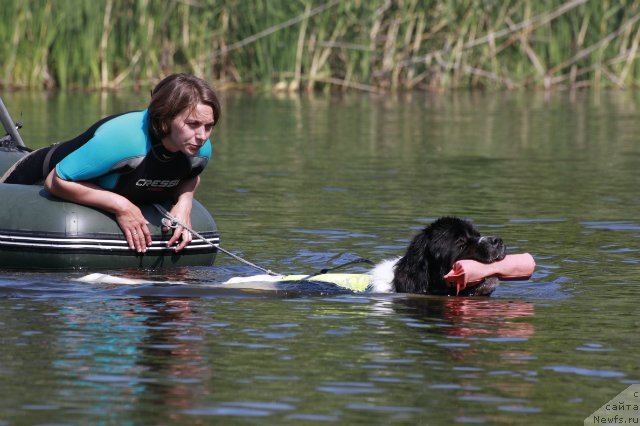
<point x="432" y="253"/>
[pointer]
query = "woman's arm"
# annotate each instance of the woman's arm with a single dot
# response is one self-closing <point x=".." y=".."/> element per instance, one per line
<point x="182" y="211"/>
<point x="128" y="215"/>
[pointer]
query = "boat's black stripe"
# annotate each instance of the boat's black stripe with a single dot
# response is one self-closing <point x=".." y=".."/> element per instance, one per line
<point x="86" y="241"/>
<point x="76" y="244"/>
<point x="43" y="235"/>
<point x="154" y="251"/>
<point x="88" y="245"/>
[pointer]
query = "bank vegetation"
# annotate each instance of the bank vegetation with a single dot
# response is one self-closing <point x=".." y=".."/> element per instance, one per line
<point x="307" y="45"/>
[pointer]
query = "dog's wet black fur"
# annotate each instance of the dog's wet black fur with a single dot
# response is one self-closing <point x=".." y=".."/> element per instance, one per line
<point x="432" y="253"/>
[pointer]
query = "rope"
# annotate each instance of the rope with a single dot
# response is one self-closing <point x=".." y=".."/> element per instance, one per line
<point x="324" y="271"/>
<point x="173" y="222"/>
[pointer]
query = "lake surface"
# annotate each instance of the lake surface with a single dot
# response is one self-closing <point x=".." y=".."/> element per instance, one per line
<point x="302" y="183"/>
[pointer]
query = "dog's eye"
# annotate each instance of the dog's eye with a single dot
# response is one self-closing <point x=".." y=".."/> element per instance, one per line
<point x="461" y="242"/>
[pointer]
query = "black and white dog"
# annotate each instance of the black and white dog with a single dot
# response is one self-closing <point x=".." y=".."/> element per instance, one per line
<point x="432" y="253"/>
<point x="429" y="257"/>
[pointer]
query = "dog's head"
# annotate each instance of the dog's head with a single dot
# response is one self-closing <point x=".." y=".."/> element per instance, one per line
<point x="433" y="252"/>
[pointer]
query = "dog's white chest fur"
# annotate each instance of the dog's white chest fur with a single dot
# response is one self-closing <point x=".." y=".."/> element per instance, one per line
<point x="382" y="276"/>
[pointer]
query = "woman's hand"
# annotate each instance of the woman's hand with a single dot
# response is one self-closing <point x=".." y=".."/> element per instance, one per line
<point x="134" y="226"/>
<point x="181" y="235"/>
<point x="128" y="215"/>
<point x="182" y="211"/>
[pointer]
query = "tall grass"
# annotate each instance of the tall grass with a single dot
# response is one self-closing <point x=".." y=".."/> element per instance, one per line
<point x="321" y="44"/>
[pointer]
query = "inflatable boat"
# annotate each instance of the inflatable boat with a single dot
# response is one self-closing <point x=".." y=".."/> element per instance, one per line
<point x="39" y="231"/>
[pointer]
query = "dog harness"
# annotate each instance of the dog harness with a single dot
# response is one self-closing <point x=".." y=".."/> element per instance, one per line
<point x="354" y="282"/>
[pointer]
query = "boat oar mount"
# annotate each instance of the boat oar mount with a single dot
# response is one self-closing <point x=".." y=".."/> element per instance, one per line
<point x="9" y="125"/>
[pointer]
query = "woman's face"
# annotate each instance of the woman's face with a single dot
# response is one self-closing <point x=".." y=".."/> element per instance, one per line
<point x="190" y="130"/>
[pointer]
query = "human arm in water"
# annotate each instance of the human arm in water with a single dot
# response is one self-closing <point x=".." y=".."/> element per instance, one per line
<point x="129" y="217"/>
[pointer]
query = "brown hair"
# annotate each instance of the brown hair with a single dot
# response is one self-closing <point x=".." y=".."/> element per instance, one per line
<point x="173" y="95"/>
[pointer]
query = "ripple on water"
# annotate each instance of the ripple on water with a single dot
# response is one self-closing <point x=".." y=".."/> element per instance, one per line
<point x="485" y="398"/>
<point x="612" y="226"/>
<point x="470" y="420"/>
<point x="593" y="347"/>
<point x="348" y="388"/>
<point x="241" y="409"/>
<point x="584" y="371"/>
<point x="313" y="417"/>
<point x="384" y="408"/>
<point x="518" y="408"/>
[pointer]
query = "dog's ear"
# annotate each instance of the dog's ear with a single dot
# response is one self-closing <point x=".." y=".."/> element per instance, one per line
<point x="411" y="275"/>
<point x="427" y="259"/>
<point x="414" y="271"/>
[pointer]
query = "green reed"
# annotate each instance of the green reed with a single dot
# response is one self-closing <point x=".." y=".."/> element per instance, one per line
<point x="321" y="44"/>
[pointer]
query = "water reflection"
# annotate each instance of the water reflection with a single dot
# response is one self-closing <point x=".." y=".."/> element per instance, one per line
<point x="464" y="319"/>
<point x="301" y="183"/>
<point x="172" y="355"/>
<point x="135" y="353"/>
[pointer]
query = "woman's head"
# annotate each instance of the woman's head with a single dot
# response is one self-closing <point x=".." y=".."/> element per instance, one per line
<point x="176" y="94"/>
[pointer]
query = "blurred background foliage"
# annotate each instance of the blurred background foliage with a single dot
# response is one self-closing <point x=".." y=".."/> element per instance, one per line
<point x="294" y="45"/>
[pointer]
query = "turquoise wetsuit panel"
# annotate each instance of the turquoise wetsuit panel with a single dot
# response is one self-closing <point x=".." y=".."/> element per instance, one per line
<point x="124" y="136"/>
<point x="120" y="155"/>
<point x="122" y="144"/>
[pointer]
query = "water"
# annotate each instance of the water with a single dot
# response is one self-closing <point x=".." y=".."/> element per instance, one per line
<point x="302" y="183"/>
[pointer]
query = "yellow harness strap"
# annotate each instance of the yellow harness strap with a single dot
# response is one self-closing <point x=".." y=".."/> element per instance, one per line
<point x="355" y="282"/>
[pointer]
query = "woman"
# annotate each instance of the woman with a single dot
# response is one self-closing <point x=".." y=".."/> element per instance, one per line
<point x="154" y="155"/>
